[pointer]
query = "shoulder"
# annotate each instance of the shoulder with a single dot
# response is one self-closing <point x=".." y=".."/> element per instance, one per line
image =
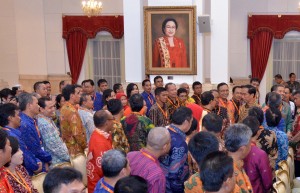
<point x="193" y="183"/>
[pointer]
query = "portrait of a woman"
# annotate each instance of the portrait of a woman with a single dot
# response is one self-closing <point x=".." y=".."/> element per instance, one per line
<point x="169" y="51"/>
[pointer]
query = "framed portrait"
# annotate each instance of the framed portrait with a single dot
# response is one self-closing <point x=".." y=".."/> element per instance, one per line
<point x="170" y="40"/>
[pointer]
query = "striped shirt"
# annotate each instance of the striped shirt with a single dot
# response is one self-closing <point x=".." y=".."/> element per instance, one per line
<point x="145" y="165"/>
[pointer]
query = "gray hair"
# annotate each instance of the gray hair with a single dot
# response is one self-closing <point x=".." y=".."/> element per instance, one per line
<point x="113" y="161"/>
<point x="83" y="98"/>
<point x="24" y="99"/>
<point x="274" y="100"/>
<point x="158" y="137"/>
<point x="236" y="136"/>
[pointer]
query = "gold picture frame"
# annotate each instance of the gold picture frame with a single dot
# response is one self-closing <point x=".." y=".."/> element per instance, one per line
<point x="170" y="40"/>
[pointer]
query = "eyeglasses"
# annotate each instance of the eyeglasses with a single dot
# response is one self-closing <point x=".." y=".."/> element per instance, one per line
<point x="111" y="119"/>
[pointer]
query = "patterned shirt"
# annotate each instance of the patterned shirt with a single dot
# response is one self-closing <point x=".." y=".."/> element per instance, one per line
<point x="172" y="105"/>
<point x="87" y="121"/>
<point x="30" y="134"/>
<point x="241" y="178"/>
<point x="287" y="116"/>
<point x="136" y="129"/>
<point x="25" y="179"/>
<point x="197" y="99"/>
<point x="5" y="187"/>
<point x="175" y="164"/>
<point x="233" y="109"/>
<point x="103" y="187"/>
<point x="52" y="143"/>
<point x="145" y="165"/>
<point x="244" y="109"/>
<point x="100" y="143"/>
<point x="72" y="131"/>
<point x="159" y="116"/>
<point x="119" y="138"/>
<point x="149" y="99"/>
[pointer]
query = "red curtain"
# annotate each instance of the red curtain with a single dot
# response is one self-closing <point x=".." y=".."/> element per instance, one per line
<point x="76" y="45"/>
<point x="260" y="46"/>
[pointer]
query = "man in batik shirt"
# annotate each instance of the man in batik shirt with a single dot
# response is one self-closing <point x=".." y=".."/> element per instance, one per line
<point x="159" y="112"/>
<point x="173" y="102"/>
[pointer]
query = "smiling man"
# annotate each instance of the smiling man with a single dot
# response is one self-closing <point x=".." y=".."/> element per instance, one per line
<point x="147" y="95"/>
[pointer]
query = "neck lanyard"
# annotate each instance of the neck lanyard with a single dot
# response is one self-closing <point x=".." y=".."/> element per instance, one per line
<point x="249" y="187"/>
<point x="173" y="104"/>
<point x="197" y="97"/>
<point x="23" y="183"/>
<point x="106" y="188"/>
<point x="150" y="99"/>
<point x="37" y="130"/>
<point x="222" y="103"/>
<point x="165" y="113"/>
<point x="172" y="129"/>
<point x="235" y="106"/>
<point x="209" y="111"/>
<point x="148" y="156"/>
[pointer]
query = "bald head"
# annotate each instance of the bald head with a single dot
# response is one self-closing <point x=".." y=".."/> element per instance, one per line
<point x="101" y="117"/>
<point x="157" y="138"/>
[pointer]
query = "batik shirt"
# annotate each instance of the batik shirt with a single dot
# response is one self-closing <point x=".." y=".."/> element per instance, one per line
<point x="136" y="129"/>
<point x="244" y="109"/>
<point x="172" y="105"/>
<point x="159" y="115"/>
<point x="52" y="143"/>
<point x="5" y="187"/>
<point x="241" y="178"/>
<point x="119" y="138"/>
<point x="72" y="131"/>
<point x="87" y="122"/>
<point x="175" y="163"/>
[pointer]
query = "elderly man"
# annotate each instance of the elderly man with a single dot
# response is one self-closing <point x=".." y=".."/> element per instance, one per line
<point x="223" y="90"/>
<point x="114" y="166"/>
<point x="100" y="142"/>
<point x="31" y="135"/>
<point x="238" y="145"/>
<point x="72" y="131"/>
<point x="145" y="163"/>
<point x="173" y="102"/>
<point x="175" y="164"/>
<point x="40" y="88"/>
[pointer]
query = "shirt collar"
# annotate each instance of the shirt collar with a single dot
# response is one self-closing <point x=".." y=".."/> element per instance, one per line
<point x="178" y="131"/>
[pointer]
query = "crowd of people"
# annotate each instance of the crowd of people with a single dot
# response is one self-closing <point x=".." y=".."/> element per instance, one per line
<point x="160" y="140"/>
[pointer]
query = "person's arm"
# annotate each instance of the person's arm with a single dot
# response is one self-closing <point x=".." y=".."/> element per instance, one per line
<point x="265" y="171"/>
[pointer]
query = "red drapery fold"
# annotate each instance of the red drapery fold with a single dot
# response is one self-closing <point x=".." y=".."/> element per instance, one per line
<point x="76" y="45"/>
<point x="260" y="46"/>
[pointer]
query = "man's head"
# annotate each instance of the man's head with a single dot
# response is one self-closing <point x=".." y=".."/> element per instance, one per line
<point x="217" y="173"/>
<point x="161" y="94"/>
<point x="136" y="102"/>
<point x="278" y="78"/>
<point x="6" y="95"/>
<point x="146" y="85"/>
<point x="62" y="85"/>
<point x="102" y="85"/>
<point x="255" y="82"/>
<point x="292" y="77"/>
<point x="253" y="124"/>
<point x="131" y="184"/>
<point x="274" y="100"/>
<point x="29" y="103"/>
<point x="72" y="93"/>
<point x="237" y="93"/>
<point x="5" y="149"/>
<point x="207" y="98"/>
<point x="197" y="87"/>
<point x="223" y="90"/>
<point x="216" y="96"/>
<point x="182" y="94"/>
<point x="159" y="140"/>
<point x="158" y="81"/>
<point x="86" y="101"/>
<point x="238" y="140"/>
<point x="118" y="88"/>
<point x="258" y="113"/>
<point x="172" y="91"/>
<point x="9" y="115"/>
<point x="212" y="123"/>
<point x="47" y="106"/>
<point x="287" y="94"/>
<point x="186" y="87"/>
<point x="40" y="88"/>
<point x="103" y="119"/>
<point x="48" y="87"/>
<point x="248" y="93"/>
<point x="182" y="117"/>
<point x="88" y="86"/>
<point x="63" y="180"/>
<point x="115" y="164"/>
<point x="115" y="107"/>
<point x="296" y="96"/>
<point x="273" y="117"/>
<point x="202" y="144"/>
<point x="278" y="89"/>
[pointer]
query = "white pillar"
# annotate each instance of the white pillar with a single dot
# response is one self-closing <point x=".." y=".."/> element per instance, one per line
<point x="220" y="41"/>
<point x="134" y="40"/>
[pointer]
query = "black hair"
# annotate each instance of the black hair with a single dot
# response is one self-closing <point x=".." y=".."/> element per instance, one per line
<point x="112" y="163"/>
<point x="216" y="168"/>
<point x="234" y="88"/>
<point x="14" y="144"/>
<point x="274" y="100"/>
<point x="159" y="90"/>
<point x="144" y="82"/>
<point x="181" y="90"/>
<point x="252" y="123"/>
<point x="42" y="101"/>
<point x="212" y="122"/>
<point x="100" y="118"/>
<point x="130" y="88"/>
<point x="4" y="93"/>
<point x="180" y="115"/>
<point x="83" y="98"/>
<point x="46" y="82"/>
<point x="157" y="77"/>
<point x="206" y="97"/>
<point x="291" y="74"/>
<point x="202" y="144"/>
<point x="3" y="139"/>
<point x="7" y="110"/>
<point x="114" y="106"/>
<point x="194" y="127"/>
<point x="258" y="113"/>
<point x="163" y="26"/>
<point x="68" y="90"/>
<point x="116" y="87"/>
<point x="168" y="84"/>
<point x="58" y="176"/>
<point x="88" y="80"/>
<point x="251" y="89"/>
<point x="273" y="117"/>
<point x="278" y="76"/>
<point x="58" y="99"/>
<point x="37" y="85"/>
<point x="254" y="80"/>
<point x="136" y="102"/>
<point x="100" y="81"/>
<point x="106" y="94"/>
<point x="221" y="84"/>
<point x="275" y="87"/>
<point x="196" y="83"/>
<point x="290" y="89"/>
<point x="131" y="184"/>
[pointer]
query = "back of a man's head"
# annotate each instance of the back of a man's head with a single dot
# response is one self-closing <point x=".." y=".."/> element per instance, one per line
<point x="131" y="184"/>
<point x="57" y="177"/>
<point x="236" y="136"/>
<point x="113" y="161"/>
<point x="157" y="138"/>
<point x="180" y="115"/>
<point x="212" y="122"/>
<point x="136" y="102"/>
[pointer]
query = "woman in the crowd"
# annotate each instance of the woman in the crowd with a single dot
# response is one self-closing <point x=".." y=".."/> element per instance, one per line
<point x="107" y="95"/>
<point x="17" y="175"/>
<point x="123" y="98"/>
<point x="131" y="89"/>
